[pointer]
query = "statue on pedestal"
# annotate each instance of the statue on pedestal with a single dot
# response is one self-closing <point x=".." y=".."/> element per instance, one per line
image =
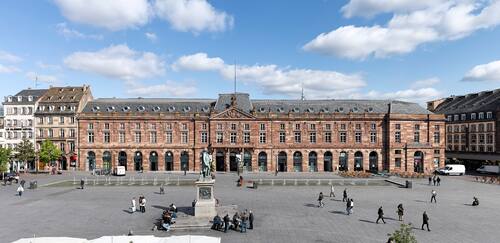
<point x="205" y="163"/>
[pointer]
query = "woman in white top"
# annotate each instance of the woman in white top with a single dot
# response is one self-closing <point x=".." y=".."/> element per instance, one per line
<point x="20" y="190"/>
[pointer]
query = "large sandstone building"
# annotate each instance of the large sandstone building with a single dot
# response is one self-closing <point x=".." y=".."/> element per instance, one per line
<point x="284" y="135"/>
<point x="472" y="127"/>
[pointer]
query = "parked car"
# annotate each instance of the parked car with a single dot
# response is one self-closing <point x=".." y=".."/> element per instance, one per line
<point x="10" y="177"/>
<point x="119" y="171"/>
<point x="452" y="170"/>
<point x="493" y="169"/>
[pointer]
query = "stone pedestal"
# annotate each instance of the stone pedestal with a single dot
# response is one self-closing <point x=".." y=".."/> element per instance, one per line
<point x="205" y="199"/>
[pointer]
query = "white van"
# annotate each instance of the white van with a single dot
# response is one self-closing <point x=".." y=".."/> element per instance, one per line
<point x="452" y="170"/>
<point x="494" y="169"/>
<point x="119" y="171"/>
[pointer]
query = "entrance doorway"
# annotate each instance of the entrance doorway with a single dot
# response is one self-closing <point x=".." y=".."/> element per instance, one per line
<point x="64" y="163"/>
<point x="418" y="159"/>
<point x="122" y="159"/>
<point x="220" y="164"/>
<point x="233" y="162"/>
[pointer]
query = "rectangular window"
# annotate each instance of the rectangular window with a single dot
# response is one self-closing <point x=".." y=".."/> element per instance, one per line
<point x="40" y="132"/>
<point x="397" y="137"/>
<point x="417" y="127"/>
<point x="168" y="126"/>
<point x="397" y="162"/>
<point x="168" y="137"/>
<point x="262" y="137"/>
<point x="152" y="126"/>
<point x="397" y="126"/>
<point x="463" y="138"/>
<point x="490" y="148"/>
<point x="246" y="137"/>
<point x="62" y="147"/>
<point x="204" y="137"/>
<point x="328" y="127"/>
<point x="106" y="126"/>
<point x="342" y="126"/>
<point x="51" y="133"/>
<point x="373" y="137"/>
<point x="61" y="120"/>
<point x="90" y="126"/>
<point x="397" y="151"/>
<point x="184" y="126"/>
<point x="455" y="117"/>
<point x="448" y="118"/>
<point x="90" y="136"/>
<point x="262" y="127"/>
<point x="456" y="138"/>
<point x="121" y="137"/>
<point x="463" y="117"/>
<point x="358" y="126"/>
<point x="40" y="120"/>
<point x="298" y="138"/>
<point x="184" y="137"/>
<point x="219" y="138"/>
<point x="219" y="126"/>
<point x="232" y="137"/>
<point x="107" y="137"/>
<point x="473" y="116"/>
<point x="416" y="137"/>
<point x="282" y="137"/>
<point x="71" y="146"/>
<point x="153" y="137"/>
<point x="138" y="137"/>
<point x="328" y="137"/>
<point x="373" y="126"/>
<point x="203" y="126"/>
<point x="481" y="138"/>
<point x="137" y="125"/>
<point x="437" y="137"/>
<point x="297" y="126"/>
<point x="61" y="133"/>
<point x="481" y="115"/>
<point x="456" y="128"/>
<point x="246" y="127"/>
<point x="312" y="126"/>
<point x="49" y="120"/>
<point x="343" y="137"/>
<point x="72" y="120"/>
<point x="450" y="128"/>
<point x="357" y="136"/>
<point x="481" y="127"/>
<point x="122" y="126"/>
<point x="473" y="128"/>
<point x="473" y="138"/>
<point x="312" y="137"/>
<point x="233" y="126"/>
<point x="489" y="138"/>
<point x="489" y="127"/>
<point x="489" y="115"/>
<point x="282" y="126"/>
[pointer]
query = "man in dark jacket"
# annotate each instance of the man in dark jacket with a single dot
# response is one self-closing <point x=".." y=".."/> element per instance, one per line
<point x="226" y="223"/>
<point x="438" y="180"/>
<point x="425" y="221"/>
<point x="250" y="219"/>
<point x="380" y="215"/>
<point x="344" y="198"/>
<point x="82" y="183"/>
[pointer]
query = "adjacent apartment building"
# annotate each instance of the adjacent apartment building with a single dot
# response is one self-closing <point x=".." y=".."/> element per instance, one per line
<point x="56" y="120"/>
<point x="2" y="129"/>
<point x="283" y="135"/>
<point x="472" y="127"/>
<point x="19" y="110"/>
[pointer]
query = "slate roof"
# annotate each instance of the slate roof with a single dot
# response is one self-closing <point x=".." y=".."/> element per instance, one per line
<point x="244" y="103"/>
<point x="473" y="102"/>
<point x="35" y="93"/>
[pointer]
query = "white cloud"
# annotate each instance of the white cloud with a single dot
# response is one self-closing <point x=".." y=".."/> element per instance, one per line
<point x="193" y="15"/>
<point x="484" y="72"/>
<point x="151" y="36"/>
<point x="424" y="83"/>
<point x="169" y="88"/>
<point x="49" y="79"/>
<point x="9" y="57"/>
<point x="117" y="61"/>
<point x="440" y="21"/>
<point x="68" y="33"/>
<point x="369" y="8"/>
<point x="8" y="69"/>
<point x="112" y="15"/>
<point x="272" y="79"/>
<point x="198" y="62"/>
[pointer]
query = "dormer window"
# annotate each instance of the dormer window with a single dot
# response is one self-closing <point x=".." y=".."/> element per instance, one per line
<point x="30" y="98"/>
<point x="262" y="109"/>
<point x="126" y="108"/>
<point x="19" y="98"/>
<point x="156" y="109"/>
<point x="489" y="115"/>
<point x="472" y="116"/>
<point x="341" y="109"/>
<point x="205" y="109"/>
<point x="111" y="108"/>
<point x="61" y="90"/>
<point x="171" y="108"/>
<point x="187" y="108"/>
<point x="73" y="108"/>
<point x="141" y="108"/>
<point x="324" y="110"/>
<point x="95" y="108"/>
<point x="61" y="97"/>
<point x="310" y="109"/>
<point x="9" y="98"/>
<point x="370" y="109"/>
<point x="280" y="109"/>
<point x="295" y="109"/>
<point x="355" y="109"/>
<point x="481" y="115"/>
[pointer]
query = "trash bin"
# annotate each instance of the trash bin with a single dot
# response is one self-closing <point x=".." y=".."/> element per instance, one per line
<point x="408" y="184"/>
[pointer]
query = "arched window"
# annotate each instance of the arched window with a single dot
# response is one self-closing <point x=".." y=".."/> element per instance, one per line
<point x="169" y="161"/>
<point x="106" y="160"/>
<point x="153" y="161"/>
<point x="418" y="159"/>
<point x="122" y="159"/>
<point x="91" y="160"/>
<point x="262" y="161"/>
<point x="313" y="162"/>
<point x="343" y="166"/>
<point x="282" y="164"/>
<point x="358" y="161"/>
<point x="184" y="161"/>
<point x="328" y="161"/>
<point x="247" y="161"/>
<point x="373" y="162"/>
<point x="138" y="161"/>
<point x="297" y="161"/>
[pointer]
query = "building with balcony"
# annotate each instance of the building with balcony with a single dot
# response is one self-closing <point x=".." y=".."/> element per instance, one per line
<point x="472" y="125"/>
<point x="268" y="135"/>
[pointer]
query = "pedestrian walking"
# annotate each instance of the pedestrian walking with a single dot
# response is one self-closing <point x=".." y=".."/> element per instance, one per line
<point x="351" y="206"/>
<point x="380" y="215"/>
<point x="433" y="197"/>
<point x="162" y="188"/>
<point x="250" y="219"/>
<point x="400" y="211"/>
<point x="438" y="180"/>
<point x="320" y="200"/>
<point x="226" y="223"/>
<point x="132" y="206"/>
<point x="344" y="198"/>
<point x="347" y="206"/>
<point x="434" y="180"/>
<point x="20" y="190"/>
<point x="82" y="183"/>
<point x="332" y="191"/>
<point x="425" y="221"/>
<point x="430" y="180"/>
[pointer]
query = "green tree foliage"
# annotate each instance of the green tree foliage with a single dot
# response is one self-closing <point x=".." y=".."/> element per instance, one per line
<point x="25" y="151"/>
<point x="49" y="152"/>
<point x="404" y="234"/>
<point x="5" y="155"/>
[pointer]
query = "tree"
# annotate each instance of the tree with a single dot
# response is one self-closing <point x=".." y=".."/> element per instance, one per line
<point x="25" y="151"/>
<point x="49" y="152"/>
<point x="5" y="155"/>
<point x="404" y="234"/>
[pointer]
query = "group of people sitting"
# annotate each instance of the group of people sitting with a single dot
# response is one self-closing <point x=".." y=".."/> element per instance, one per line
<point x="241" y="221"/>
<point x="168" y="217"/>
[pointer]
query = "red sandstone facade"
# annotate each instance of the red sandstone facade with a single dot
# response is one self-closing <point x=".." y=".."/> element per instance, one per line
<point x="139" y="134"/>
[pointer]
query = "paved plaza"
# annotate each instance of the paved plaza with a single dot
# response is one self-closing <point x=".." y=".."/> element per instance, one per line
<point x="282" y="213"/>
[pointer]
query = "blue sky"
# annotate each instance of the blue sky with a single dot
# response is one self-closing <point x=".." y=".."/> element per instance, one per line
<point x="375" y="49"/>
